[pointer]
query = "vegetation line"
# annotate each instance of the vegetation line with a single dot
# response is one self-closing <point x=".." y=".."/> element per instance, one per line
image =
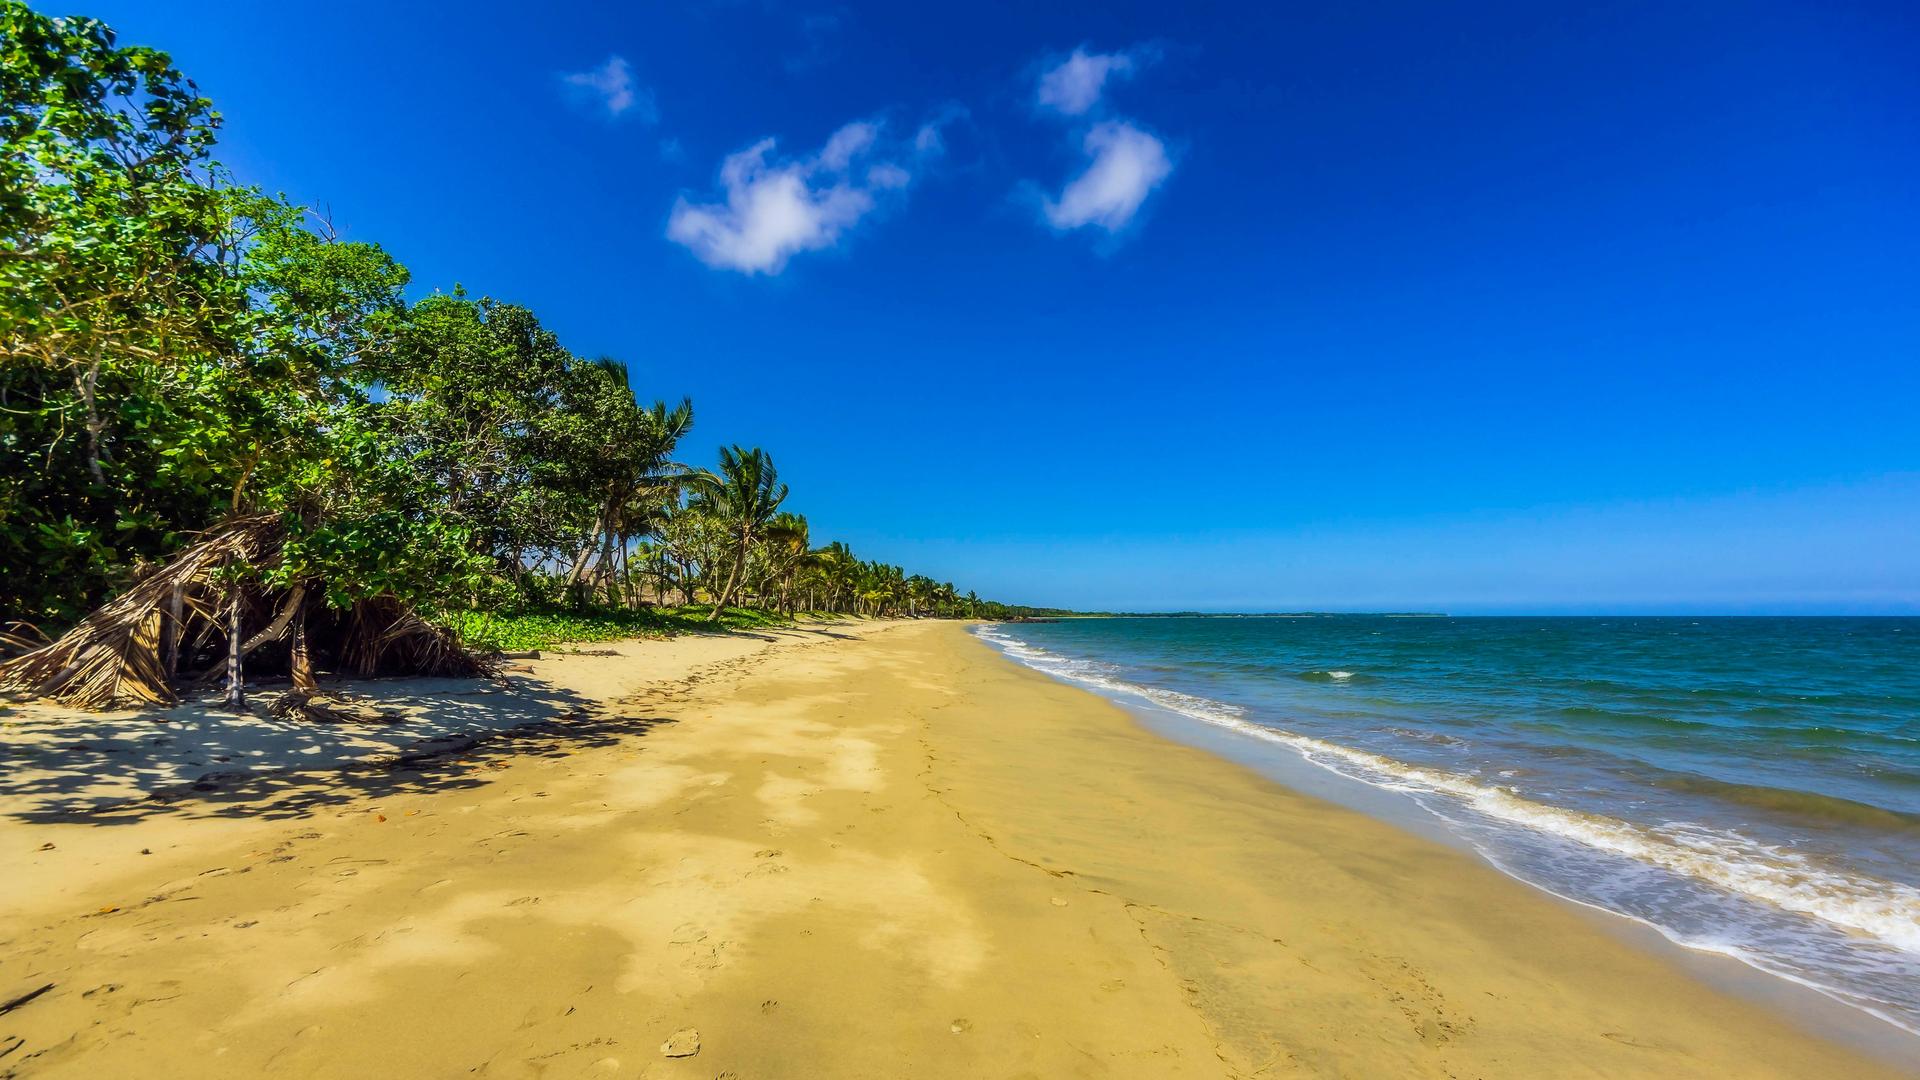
<point x="206" y="381"/>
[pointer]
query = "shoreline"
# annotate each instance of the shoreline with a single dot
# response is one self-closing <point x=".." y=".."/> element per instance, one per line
<point x="851" y="851"/>
<point x="1805" y="1006"/>
<point x="1652" y="865"/>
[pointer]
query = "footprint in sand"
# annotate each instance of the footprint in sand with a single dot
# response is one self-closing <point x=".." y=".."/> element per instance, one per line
<point x="682" y="1043"/>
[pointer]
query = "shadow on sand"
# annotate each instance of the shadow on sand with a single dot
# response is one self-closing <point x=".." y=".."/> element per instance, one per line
<point x="426" y="735"/>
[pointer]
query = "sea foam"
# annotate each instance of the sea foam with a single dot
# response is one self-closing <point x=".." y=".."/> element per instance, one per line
<point x="1884" y="913"/>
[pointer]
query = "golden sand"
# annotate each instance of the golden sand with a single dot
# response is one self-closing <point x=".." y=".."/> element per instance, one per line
<point x="873" y="851"/>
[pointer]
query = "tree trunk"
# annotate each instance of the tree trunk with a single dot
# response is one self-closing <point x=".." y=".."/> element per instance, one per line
<point x="625" y="560"/>
<point x="280" y="622"/>
<point x="170" y="658"/>
<point x="610" y="569"/>
<point x="586" y="551"/>
<point x="301" y="664"/>
<point x="580" y="560"/>
<point x="733" y="579"/>
<point x="236" y="691"/>
<point x="95" y="425"/>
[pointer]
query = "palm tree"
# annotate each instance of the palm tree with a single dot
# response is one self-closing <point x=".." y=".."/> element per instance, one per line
<point x="920" y="594"/>
<point x="624" y="451"/>
<point x="882" y="587"/>
<point x="745" y="496"/>
<point x="832" y="574"/>
<point x="788" y="552"/>
<point x="693" y="541"/>
<point x="642" y="514"/>
<point x="841" y="573"/>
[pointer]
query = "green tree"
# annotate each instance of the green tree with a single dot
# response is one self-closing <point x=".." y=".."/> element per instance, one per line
<point x="115" y="291"/>
<point x="176" y="349"/>
<point x="788" y="549"/>
<point x="616" y="456"/>
<point x="745" y="497"/>
<point x="469" y="388"/>
<point x="178" y="352"/>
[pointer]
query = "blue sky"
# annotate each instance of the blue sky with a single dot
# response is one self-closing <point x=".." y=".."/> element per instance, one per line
<point x="1478" y="307"/>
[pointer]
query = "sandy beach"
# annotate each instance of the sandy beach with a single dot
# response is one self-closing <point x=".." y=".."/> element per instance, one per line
<point x="850" y="850"/>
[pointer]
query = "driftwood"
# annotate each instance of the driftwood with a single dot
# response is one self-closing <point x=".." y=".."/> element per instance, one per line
<point x="131" y="650"/>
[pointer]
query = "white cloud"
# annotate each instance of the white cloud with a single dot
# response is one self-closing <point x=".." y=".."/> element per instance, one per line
<point x="887" y="175"/>
<point x="612" y="84"/>
<point x="1073" y="86"/>
<point x="931" y="138"/>
<point x="846" y="144"/>
<point x="1126" y="164"/>
<point x="774" y="210"/>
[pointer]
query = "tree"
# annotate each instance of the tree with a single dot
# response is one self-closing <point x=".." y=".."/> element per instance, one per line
<point x="111" y="278"/>
<point x="745" y="496"/>
<point x="177" y="350"/>
<point x="840" y="575"/>
<point x="184" y="360"/>
<point x="617" y="456"/>
<point x="695" y="543"/>
<point x="468" y="384"/>
<point x="788" y="552"/>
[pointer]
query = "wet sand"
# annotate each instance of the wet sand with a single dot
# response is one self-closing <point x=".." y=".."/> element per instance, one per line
<point x="854" y="851"/>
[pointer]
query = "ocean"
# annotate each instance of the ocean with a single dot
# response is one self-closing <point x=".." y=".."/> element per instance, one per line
<point x="1747" y="786"/>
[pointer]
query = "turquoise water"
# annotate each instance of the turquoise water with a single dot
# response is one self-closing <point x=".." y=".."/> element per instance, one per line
<point x="1749" y="786"/>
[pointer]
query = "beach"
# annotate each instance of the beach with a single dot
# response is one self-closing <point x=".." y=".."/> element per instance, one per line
<point x="856" y="849"/>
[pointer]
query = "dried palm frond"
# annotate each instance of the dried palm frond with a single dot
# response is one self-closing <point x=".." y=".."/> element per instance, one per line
<point x="129" y="651"/>
<point x="116" y="656"/>
<point x="314" y="707"/>
<point x="384" y="637"/>
<point x="21" y="636"/>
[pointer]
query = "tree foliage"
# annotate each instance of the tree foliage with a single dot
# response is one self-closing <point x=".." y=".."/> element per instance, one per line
<point x="180" y="351"/>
